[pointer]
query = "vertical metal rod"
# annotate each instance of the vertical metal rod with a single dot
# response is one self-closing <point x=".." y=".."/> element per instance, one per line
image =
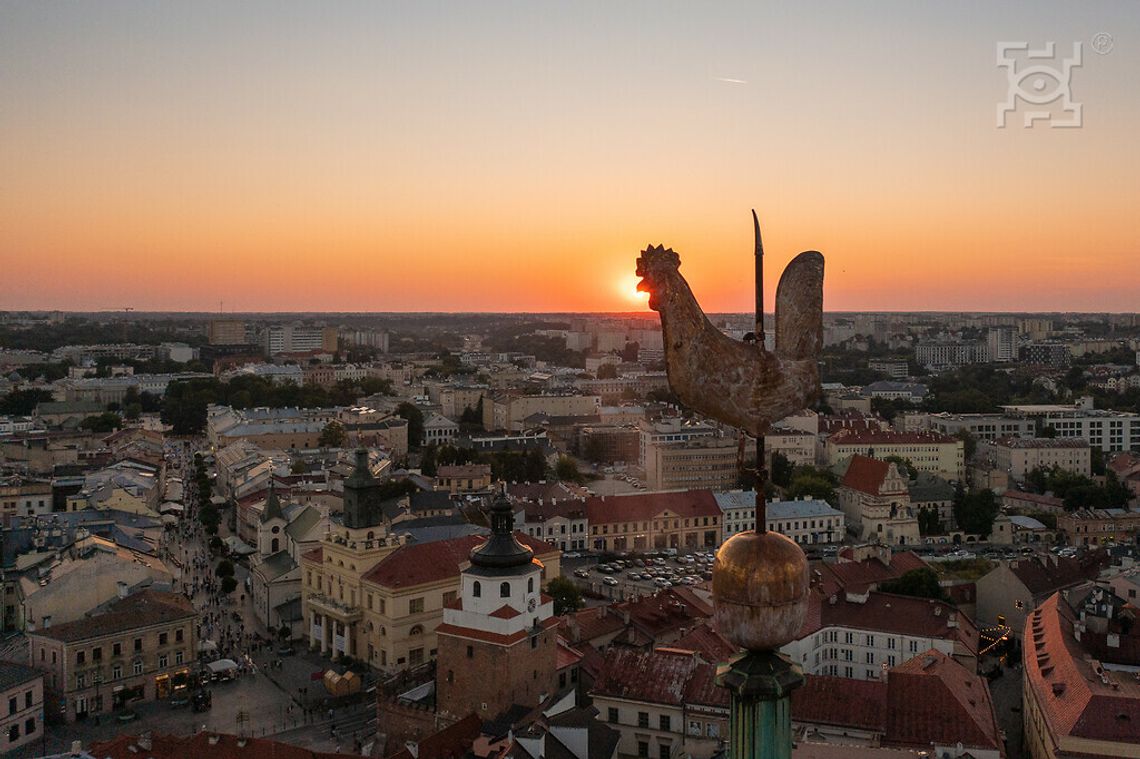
<point x="761" y="470"/>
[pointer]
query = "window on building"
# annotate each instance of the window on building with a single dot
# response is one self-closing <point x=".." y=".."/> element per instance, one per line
<point x="97" y="653"/>
<point x="163" y="661"/>
<point x="116" y="649"/>
<point x="449" y="597"/>
<point x="137" y="668"/>
<point x="13" y="705"/>
<point x="477" y="589"/>
<point x="694" y="727"/>
<point x="163" y="638"/>
<point x="178" y="635"/>
<point x="643" y="719"/>
<point x="14" y="733"/>
<point x="664" y="722"/>
<point x="530" y="585"/>
<point x="80" y="657"/>
<point x="177" y="657"/>
<point x="643" y="748"/>
<point x="29" y="725"/>
<point x="117" y="672"/>
<point x="612" y="715"/>
<point x="416" y="657"/>
<point x="505" y="590"/>
<point x="471" y="652"/>
<point x="416" y="606"/>
<point x="664" y="750"/>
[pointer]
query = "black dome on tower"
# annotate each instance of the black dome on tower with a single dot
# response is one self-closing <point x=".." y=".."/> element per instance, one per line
<point x="502" y="550"/>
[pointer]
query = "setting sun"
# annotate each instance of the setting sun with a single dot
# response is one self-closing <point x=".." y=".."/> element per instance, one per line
<point x="628" y="287"/>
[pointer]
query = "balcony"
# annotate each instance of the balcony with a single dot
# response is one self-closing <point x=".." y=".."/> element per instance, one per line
<point x="335" y="609"/>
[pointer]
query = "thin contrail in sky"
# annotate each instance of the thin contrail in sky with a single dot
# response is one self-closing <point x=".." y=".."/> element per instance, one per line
<point x="730" y="80"/>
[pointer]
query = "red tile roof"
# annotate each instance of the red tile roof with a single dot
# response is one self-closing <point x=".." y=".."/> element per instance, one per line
<point x="891" y="613"/>
<point x="640" y="507"/>
<point x="934" y="699"/>
<point x="506" y="611"/>
<point x="142" y="609"/>
<point x="868" y="574"/>
<point x="566" y="655"/>
<point x="1064" y="682"/>
<point x="706" y="641"/>
<point x="867" y="475"/>
<point x="657" y="677"/>
<point x="841" y="701"/>
<point x="212" y="745"/>
<point x="421" y="563"/>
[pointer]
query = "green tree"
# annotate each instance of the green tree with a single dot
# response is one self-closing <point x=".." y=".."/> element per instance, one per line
<point x="23" y="402"/>
<point x="566" y="595"/>
<point x="229" y="584"/>
<point x="920" y="583"/>
<point x="567" y="471"/>
<point x="333" y="435"/>
<point x="807" y="481"/>
<point x="607" y="371"/>
<point x="415" y="419"/>
<point x="225" y="568"/>
<point x="132" y="411"/>
<point x="428" y="465"/>
<point x="976" y="512"/>
<point x="969" y="444"/>
<point x="928" y="523"/>
<point x="105" y="422"/>
<point x="536" y="465"/>
<point x="781" y="470"/>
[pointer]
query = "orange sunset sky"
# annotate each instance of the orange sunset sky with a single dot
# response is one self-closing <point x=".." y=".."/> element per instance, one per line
<point x="382" y="156"/>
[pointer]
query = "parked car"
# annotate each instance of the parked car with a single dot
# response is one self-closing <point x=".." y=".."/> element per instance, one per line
<point x="609" y="581"/>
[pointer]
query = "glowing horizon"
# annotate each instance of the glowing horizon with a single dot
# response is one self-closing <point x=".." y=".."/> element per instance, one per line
<point x="503" y="158"/>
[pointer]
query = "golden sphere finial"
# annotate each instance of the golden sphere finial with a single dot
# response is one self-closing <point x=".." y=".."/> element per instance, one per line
<point x="760" y="590"/>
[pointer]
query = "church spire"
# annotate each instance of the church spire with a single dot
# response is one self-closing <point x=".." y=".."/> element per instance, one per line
<point x="503" y="549"/>
<point x="272" y="508"/>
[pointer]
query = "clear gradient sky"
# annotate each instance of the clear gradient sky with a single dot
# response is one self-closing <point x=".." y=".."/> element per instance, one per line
<point x="469" y="156"/>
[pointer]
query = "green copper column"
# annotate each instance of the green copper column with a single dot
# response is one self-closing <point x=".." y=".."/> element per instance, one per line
<point x="760" y="720"/>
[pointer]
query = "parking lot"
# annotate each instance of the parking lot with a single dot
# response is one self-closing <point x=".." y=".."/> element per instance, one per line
<point x="643" y="574"/>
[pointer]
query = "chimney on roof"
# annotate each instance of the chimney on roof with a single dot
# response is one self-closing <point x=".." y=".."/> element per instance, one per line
<point x="122" y="588"/>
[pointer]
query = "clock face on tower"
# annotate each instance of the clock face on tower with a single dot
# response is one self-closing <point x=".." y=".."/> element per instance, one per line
<point x="530" y="605"/>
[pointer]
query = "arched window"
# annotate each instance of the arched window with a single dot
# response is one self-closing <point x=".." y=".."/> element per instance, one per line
<point x="417" y="630"/>
<point x="476" y="589"/>
<point x="530" y="585"/>
<point x="274" y="545"/>
<point x="505" y="590"/>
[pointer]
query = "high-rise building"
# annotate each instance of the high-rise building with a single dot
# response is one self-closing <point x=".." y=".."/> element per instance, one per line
<point x="226" y="332"/>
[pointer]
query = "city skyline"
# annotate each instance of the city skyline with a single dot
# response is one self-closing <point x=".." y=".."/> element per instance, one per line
<point x="517" y="159"/>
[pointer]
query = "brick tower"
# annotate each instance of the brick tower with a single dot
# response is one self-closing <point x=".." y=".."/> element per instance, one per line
<point x="496" y="645"/>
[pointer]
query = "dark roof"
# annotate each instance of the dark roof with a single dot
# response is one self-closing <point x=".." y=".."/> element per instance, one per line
<point x="1045" y="575"/>
<point x="142" y="609"/>
<point x="860" y="576"/>
<point x="12" y="674"/>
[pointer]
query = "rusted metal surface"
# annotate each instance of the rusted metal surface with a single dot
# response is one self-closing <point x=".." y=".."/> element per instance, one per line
<point x="760" y="583"/>
<point x="739" y="383"/>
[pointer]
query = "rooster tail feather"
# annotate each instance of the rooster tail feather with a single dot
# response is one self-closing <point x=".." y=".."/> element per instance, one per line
<point x="799" y="308"/>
